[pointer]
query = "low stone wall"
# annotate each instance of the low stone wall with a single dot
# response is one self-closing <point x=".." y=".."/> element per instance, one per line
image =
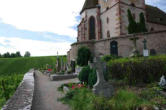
<point x="22" y="99"/>
<point x="62" y="77"/>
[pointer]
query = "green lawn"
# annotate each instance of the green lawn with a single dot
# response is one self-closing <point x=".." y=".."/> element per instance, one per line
<point x="12" y="71"/>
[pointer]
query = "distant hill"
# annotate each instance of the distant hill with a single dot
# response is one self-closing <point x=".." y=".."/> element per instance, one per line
<point x="22" y="65"/>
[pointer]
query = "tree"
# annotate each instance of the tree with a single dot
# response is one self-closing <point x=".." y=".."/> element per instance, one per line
<point x="6" y="55"/>
<point x="132" y="27"/>
<point x="18" y="54"/>
<point x="83" y="56"/>
<point x="27" y="54"/>
<point x="13" y="55"/>
<point x="135" y="27"/>
<point x="0" y="56"/>
<point x="142" y="25"/>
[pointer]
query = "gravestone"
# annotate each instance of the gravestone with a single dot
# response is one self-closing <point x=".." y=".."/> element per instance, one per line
<point x="162" y="82"/>
<point x="102" y="87"/>
<point x="73" y="66"/>
<point x="58" y="68"/>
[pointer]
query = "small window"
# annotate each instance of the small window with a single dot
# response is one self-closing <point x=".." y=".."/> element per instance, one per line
<point x="108" y="34"/>
<point x="107" y="20"/>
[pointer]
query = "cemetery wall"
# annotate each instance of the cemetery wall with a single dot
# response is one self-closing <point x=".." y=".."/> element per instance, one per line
<point x="155" y="41"/>
<point x="22" y="99"/>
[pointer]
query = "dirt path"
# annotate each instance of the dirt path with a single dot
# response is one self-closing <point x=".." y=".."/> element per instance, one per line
<point x="46" y="94"/>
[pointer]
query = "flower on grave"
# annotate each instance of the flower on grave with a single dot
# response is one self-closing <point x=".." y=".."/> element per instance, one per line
<point x="49" y="70"/>
<point x="80" y="85"/>
<point x="73" y="87"/>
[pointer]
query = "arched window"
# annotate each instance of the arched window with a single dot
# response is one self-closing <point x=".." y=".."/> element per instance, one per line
<point x="91" y="28"/>
<point x="108" y="34"/>
<point x="114" y="48"/>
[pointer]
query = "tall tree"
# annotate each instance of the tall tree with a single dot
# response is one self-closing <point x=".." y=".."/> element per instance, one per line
<point x="18" y="54"/>
<point x="27" y="54"/>
<point x="132" y="27"/>
<point x="142" y="25"/>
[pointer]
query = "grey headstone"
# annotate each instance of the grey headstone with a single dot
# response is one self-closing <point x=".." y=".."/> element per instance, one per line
<point x="102" y="87"/>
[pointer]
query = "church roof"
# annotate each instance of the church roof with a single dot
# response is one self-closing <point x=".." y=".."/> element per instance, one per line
<point x="155" y="15"/>
<point x="89" y="4"/>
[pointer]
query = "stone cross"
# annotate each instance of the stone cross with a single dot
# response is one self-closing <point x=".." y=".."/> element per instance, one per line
<point x="102" y="87"/>
<point x="145" y="44"/>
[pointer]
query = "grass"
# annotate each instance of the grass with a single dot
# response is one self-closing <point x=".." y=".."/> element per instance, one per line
<point x="84" y="99"/>
<point x="12" y="71"/>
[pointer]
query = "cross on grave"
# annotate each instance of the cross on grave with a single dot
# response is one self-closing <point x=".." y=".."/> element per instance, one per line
<point x="102" y="87"/>
<point x="145" y="44"/>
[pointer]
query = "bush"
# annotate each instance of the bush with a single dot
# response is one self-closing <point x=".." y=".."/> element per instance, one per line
<point x="138" y="70"/>
<point x="107" y="58"/>
<point x="92" y="79"/>
<point x="88" y="76"/>
<point x="84" y="74"/>
<point x="84" y="55"/>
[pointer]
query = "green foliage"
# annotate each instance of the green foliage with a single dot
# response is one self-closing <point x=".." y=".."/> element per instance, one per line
<point x="107" y="58"/>
<point x="84" y="55"/>
<point x="8" y="85"/>
<point x="92" y="78"/>
<point x="138" y="70"/>
<point x="88" y="76"/>
<point x="10" y="66"/>
<point x="84" y="99"/>
<point x="132" y="27"/>
<point x="142" y="25"/>
<point x="135" y="27"/>
<point x="153" y="96"/>
<point x="84" y="74"/>
<point x="79" y="99"/>
<point x="126" y="100"/>
<point x="27" y="54"/>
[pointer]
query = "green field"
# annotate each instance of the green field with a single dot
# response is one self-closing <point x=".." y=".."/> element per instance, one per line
<point x="12" y="71"/>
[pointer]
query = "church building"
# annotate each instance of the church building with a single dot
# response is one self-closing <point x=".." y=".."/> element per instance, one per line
<point x="104" y="28"/>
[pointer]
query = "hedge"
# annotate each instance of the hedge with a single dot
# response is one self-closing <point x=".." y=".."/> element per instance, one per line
<point x="137" y="70"/>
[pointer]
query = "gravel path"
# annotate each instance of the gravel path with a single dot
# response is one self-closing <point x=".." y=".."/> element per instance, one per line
<point x="46" y="94"/>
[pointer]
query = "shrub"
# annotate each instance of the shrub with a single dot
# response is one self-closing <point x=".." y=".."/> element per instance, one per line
<point x="88" y="76"/>
<point x="107" y="58"/>
<point x="84" y="55"/>
<point x="84" y="74"/>
<point x="92" y="79"/>
<point x="138" y="70"/>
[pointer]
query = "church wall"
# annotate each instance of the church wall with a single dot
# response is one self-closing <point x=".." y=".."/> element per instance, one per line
<point x="113" y="26"/>
<point x="124" y="16"/>
<point x="155" y="40"/>
<point x="104" y="5"/>
<point x="89" y="13"/>
<point x="156" y="27"/>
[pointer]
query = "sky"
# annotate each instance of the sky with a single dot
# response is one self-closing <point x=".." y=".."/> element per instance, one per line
<point x="42" y="27"/>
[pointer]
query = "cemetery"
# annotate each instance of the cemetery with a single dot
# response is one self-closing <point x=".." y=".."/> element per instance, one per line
<point x="121" y="66"/>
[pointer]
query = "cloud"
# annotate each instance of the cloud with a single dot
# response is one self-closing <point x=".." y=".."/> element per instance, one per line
<point x="158" y="3"/>
<point x="57" y="16"/>
<point x="36" y="48"/>
<point x="8" y="30"/>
